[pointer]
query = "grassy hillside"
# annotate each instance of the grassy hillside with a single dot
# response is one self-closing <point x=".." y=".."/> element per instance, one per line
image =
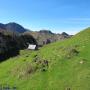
<point x="68" y="66"/>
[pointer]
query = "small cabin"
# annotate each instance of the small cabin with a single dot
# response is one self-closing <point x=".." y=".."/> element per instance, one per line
<point x="32" y="47"/>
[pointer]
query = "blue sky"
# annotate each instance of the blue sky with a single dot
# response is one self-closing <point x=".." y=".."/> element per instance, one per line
<point x="69" y="16"/>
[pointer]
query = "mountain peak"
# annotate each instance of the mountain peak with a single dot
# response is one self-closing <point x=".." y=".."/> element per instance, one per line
<point x="2" y="26"/>
<point x="12" y="26"/>
<point x="46" y="31"/>
<point x="64" y="33"/>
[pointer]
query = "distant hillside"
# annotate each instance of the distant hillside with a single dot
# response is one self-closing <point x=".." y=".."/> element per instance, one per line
<point x="42" y="37"/>
<point x="14" y="37"/>
<point x="63" y="65"/>
<point x="46" y="36"/>
<point x="13" y="27"/>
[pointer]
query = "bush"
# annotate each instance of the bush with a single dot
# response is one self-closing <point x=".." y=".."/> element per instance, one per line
<point x="70" y="52"/>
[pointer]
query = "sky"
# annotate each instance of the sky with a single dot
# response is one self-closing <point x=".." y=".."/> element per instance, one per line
<point x="69" y="16"/>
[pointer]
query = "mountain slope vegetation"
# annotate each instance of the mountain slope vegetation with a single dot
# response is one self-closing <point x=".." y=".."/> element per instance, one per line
<point x="58" y="66"/>
<point x="11" y="43"/>
<point x="42" y="37"/>
<point x="13" y="27"/>
<point x="46" y="36"/>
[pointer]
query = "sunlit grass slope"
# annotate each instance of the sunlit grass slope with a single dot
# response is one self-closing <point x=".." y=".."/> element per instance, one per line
<point x="68" y="66"/>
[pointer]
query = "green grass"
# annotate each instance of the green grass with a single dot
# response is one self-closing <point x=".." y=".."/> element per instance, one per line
<point x="64" y="71"/>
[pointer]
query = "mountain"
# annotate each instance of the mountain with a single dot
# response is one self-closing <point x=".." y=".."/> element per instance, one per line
<point x="42" y="37"/>
<point x="63" y="65"/>
<point x="14" y="37"/>
<point x="12" y="42"/>
<point x="46" y="36"/>
<point x="8" y="46"/>
<point x="13" y="27"/>
<point x="45" y="32"/>
<point x="2" y="26"/>
<point x="65" y="34"/>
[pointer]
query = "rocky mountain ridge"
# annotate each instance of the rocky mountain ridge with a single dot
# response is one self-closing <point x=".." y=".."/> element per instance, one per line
<point x="42" y="37"/>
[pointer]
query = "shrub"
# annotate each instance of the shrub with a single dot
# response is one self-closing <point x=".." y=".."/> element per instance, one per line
<point x="70" y="52"/>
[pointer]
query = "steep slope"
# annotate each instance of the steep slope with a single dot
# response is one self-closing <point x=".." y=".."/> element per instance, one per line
<point x="58" y="66"/>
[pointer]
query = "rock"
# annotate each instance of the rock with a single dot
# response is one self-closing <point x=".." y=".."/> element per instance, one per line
<point x="81" y="62"/>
